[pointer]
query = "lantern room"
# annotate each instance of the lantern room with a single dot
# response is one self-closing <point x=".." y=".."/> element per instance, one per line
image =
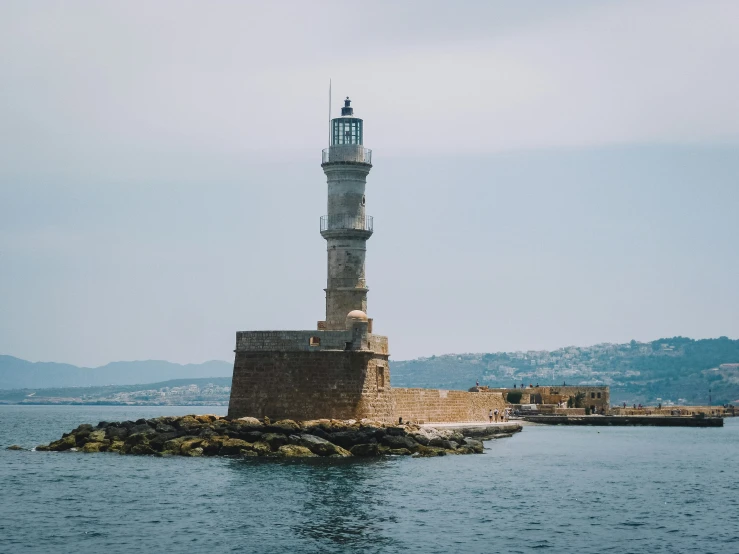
<point x="346" y="129"/>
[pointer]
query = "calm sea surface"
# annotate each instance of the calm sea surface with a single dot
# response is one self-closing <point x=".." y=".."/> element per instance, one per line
<point x="561" y="489"/>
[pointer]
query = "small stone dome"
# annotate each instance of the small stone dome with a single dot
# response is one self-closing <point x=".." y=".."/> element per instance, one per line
<point x="356" y="315"/>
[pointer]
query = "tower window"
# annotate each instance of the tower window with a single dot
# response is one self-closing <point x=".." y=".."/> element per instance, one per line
<point x="363" y="200"/>
<point x="315" y="341"/>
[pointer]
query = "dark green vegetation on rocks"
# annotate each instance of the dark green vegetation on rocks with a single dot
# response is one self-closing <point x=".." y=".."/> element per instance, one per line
<point x="210" y="435"/>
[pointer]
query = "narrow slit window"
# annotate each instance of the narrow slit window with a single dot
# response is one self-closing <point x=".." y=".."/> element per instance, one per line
<point x="380" y="377"/>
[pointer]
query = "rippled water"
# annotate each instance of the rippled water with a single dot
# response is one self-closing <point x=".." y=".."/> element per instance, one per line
<point x="561" y="489"/>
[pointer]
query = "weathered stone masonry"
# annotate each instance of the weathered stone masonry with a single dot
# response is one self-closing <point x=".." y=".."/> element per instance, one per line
<point x="312" y="374"/>
<point x="435" y="406"/>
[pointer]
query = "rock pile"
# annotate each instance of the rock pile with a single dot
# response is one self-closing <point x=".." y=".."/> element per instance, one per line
<point x="210" y="435"/>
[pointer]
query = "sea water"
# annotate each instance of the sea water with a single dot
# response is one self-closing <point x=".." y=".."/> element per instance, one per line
<point x="559" y="489"/>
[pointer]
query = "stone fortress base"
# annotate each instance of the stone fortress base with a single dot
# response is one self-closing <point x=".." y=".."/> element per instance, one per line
<point x="337" y="374"/>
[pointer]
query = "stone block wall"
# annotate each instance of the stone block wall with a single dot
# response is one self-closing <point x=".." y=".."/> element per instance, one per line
<point x="434" y="405"/>
<point x="283" y="341"/>
<point x="305" y="385"/>
<point x="569" y="411"/>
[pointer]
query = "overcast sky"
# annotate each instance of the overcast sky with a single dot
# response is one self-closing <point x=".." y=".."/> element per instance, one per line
<point x="545" y="173"/>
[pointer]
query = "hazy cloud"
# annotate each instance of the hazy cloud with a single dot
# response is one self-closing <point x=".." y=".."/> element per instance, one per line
<point x="546" y="173"/>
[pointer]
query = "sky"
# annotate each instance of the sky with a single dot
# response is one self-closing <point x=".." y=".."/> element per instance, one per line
<point x="545" y="173"/>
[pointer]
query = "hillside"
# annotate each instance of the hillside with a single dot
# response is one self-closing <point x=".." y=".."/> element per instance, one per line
<point x="21" y="374"/>
<point x="177" y="392"/>
<point x="679" y="369"/>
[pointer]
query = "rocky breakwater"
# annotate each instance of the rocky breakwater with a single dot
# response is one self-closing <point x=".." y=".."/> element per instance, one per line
<point x="209" y="435"/>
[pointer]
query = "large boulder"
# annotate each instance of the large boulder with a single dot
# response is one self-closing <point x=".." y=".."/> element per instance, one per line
<point x="97" y="436"/>
<point x="396" y="431"/>
<point x="207" y="431"/>
<point x="259" y="448"/>
<point x="319" y="446"/>
<point x="174" y="445"/>
<point x="16" y="447"/>
<point x="142" y="429"/>
<point x="117" y="446"/>
<point x="394" y="441"/>
<point x="212" y="445"/>
<point x="137" y="438"/>
<point x="142" y="449"/>
<point x="94" y="447"/>
<point x="365" y="450"/>
<point x="347" y="439"/>
<point x="116" y="432"/>
<point x="187" y="445"/>
<point x="420" y="438"/>
<point x="84" y="428"/>
<point x="443" y="443"/>
<point x="429" y="452"/>
<point x="294" y="451"/>
<point x="165" y="428"/>
<point x="249" y="421"/>
<point x="243" y="431"/>
<point x="188" y="423"/>
<point x="456" y="436"/>
<point x="476" y="445"/>
<point x="233" y="447"/>
<point x="285" y="426"/>
<point x="195" y="452"/>
<point x="274" y="440"/>
<point x="158" y="441"/>
<point x="65" y="443"/>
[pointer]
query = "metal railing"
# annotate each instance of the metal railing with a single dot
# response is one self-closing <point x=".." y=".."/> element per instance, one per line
<point x="346" y="221"/>
<point x="347" y="153"/>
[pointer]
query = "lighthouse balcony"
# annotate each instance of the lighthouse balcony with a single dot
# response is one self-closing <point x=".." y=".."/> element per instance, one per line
<point x="346" y="222"/>
<point x="347" y="154"/>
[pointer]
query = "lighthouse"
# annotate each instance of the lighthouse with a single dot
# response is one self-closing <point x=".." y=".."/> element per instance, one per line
<point x="341" y="369"/>
<point x="346" y="226"/>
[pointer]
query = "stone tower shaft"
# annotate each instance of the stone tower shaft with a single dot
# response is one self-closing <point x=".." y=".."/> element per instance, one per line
<point x="346" y="227"/>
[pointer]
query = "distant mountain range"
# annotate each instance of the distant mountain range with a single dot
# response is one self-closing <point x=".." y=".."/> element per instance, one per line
<point x="21" y="374"/>
<point x="678" y="369"/>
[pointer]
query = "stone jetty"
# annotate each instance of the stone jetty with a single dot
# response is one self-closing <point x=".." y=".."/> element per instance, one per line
<point x="647" y="421"/>
<point x="210" y="435"/>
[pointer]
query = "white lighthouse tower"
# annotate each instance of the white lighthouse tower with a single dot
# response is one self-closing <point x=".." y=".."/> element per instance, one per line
<point x="346" y="227"/>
